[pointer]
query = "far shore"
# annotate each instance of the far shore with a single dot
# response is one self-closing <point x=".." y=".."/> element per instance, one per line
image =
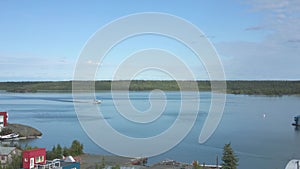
<point x="253" y="87"/>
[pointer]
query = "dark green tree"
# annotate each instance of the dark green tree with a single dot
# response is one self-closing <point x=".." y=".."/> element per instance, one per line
<point x="116" y="167"/>
<point x="28" y="147"/>
<point x="54" y="148"/>
<point x="59" y="151"/>
<point x="55" y="153"/>
<point x="76" y="148"/>
<point x="16" y="161"/>
<point x="66" y="151"/>
<point x="102" y="164"/>
<point x="230" y="160"/>
<point x="50" y="155"/>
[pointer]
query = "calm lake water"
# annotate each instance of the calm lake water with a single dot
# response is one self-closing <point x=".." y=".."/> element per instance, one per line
<point x="258" y="127"/>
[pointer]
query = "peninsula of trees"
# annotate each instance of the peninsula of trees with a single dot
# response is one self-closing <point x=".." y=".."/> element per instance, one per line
<point x="233" y="87"/>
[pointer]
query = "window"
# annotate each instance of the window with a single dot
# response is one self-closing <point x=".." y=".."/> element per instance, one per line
<point x="39" y="159"/>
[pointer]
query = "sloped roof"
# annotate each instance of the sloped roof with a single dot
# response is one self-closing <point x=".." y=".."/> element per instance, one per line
<point x="69" y="159"/>
<point x="6" y="150"/>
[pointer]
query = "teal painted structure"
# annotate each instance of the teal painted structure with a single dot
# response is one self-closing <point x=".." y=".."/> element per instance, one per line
<point x="69" y="165"/>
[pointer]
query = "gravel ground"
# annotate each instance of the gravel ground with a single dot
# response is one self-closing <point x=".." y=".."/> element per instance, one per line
<point x="89" y="161"/>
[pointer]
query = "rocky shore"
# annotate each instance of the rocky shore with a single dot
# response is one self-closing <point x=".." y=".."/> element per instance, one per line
<point x="24" y="131"/>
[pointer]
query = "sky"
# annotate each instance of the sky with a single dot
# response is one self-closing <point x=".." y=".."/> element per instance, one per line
<point x="255" y="39"/>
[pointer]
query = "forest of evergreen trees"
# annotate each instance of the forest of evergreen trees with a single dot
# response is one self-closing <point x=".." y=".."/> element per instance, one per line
<point x="233" y="87"/>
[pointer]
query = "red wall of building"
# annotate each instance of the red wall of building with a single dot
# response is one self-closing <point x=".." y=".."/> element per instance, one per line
<point x="4" y="114"/>
<point x="27" y="154"/>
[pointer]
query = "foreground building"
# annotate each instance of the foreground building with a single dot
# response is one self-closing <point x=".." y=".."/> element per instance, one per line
<point x="32" y="158"/>
<point x="3" y="119"/>
<point x="36" y="159"/>
<point x="6" y="155"/>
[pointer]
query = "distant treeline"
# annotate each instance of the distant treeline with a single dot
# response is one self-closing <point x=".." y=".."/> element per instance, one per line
<point x="234" y="87"/>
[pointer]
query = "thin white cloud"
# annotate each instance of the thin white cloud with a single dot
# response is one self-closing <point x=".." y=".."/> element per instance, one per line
<point x="281" y="16"/>
<point x="25" y="67"/>
<point x="255" y="28"/>
<point x="277" y="56"/>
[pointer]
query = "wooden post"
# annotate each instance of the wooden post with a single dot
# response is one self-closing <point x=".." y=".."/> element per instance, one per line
<point x="217" y="160"/>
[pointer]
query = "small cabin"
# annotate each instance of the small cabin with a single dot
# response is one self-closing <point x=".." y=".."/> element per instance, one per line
<point x="6" y="155"/>
<point x="36" y="159"/>
<point x="32" y="158"/>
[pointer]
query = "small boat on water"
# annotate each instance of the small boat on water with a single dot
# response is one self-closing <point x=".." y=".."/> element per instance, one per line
<point x="97" y="101"/>
<point x="296" y="119"/>
<point x="9" y="136"/>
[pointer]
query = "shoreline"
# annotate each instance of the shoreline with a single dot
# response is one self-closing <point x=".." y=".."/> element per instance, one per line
<point x="247" y="87"/>
<point x="90" y="161"/>
<point x="24" y="131"/>
<point x="227" y="92"/>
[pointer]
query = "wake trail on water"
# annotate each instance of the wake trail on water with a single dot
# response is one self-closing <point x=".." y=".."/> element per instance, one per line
<point x="51" y="99"/>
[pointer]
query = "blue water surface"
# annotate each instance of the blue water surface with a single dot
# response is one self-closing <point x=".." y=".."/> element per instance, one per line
<point x="258" y="127"/>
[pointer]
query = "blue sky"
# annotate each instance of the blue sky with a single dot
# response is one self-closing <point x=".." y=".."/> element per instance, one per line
<point x="256" y="39"/>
